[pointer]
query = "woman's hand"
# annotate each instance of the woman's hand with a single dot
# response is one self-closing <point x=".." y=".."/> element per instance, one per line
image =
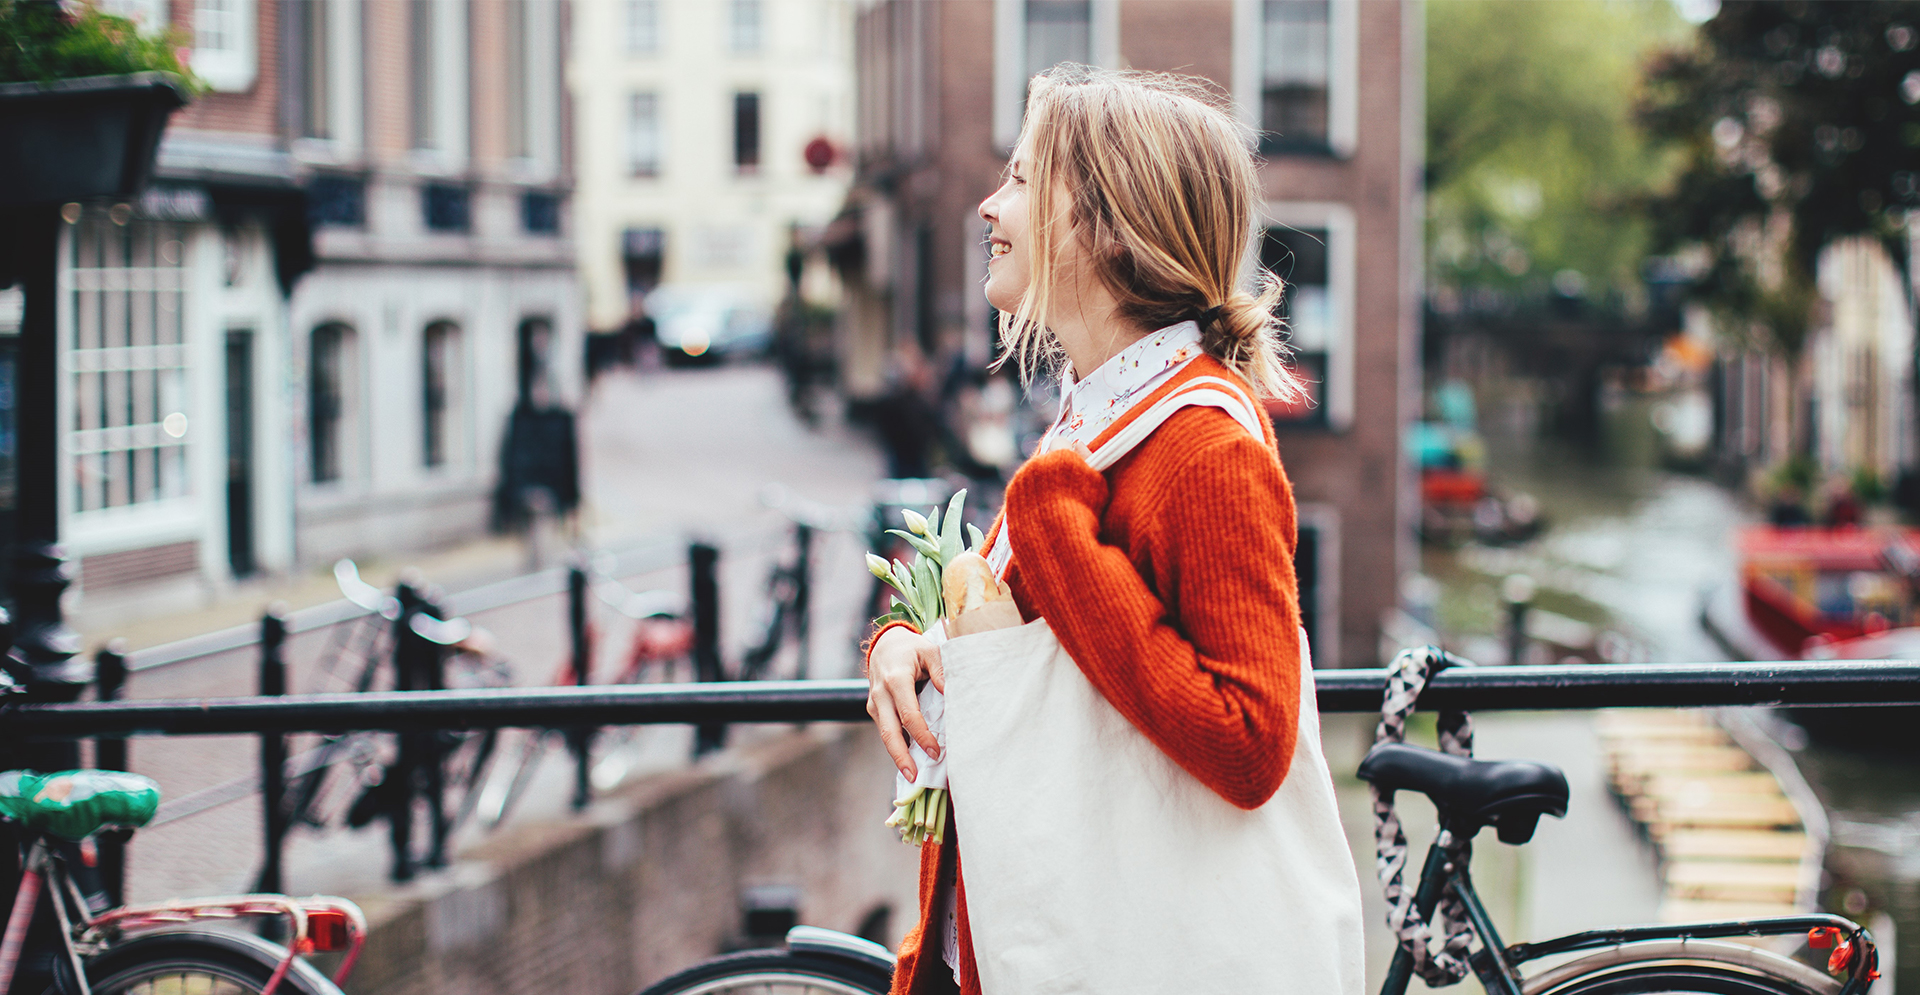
<point x="901" y="658"/>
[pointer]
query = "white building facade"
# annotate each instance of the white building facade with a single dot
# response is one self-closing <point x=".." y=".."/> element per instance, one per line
<point x="696" y="119"/>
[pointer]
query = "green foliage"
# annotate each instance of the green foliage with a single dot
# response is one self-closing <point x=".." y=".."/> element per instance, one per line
<point x="1868" y="486"/>
<point x="1533" y="158"/>
<point x="1796" y="124"/>
<point x="48" y="40"/>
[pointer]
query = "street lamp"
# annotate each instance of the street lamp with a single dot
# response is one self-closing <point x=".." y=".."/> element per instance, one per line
<point x="61" y="142"/>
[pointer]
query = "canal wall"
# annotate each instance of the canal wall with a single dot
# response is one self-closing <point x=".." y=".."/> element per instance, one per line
<point x="654" y="877"/>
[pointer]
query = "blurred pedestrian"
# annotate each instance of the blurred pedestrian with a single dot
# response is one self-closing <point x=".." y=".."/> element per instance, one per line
<point x="1194" y="845"/>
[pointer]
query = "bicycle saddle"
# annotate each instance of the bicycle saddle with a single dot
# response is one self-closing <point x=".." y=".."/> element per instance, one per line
<point x="1509" y="795"/>
<point x="76" y="804"/>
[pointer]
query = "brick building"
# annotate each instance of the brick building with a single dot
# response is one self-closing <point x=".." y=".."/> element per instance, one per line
<point x="304" y="341"/>
<point x="1336" y="88"/>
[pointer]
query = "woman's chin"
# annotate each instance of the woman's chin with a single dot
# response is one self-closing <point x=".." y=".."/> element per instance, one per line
<point x="1001" y="299"/>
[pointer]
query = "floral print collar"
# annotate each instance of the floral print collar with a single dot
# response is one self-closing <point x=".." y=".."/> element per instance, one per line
<point x="1101" y="397"/>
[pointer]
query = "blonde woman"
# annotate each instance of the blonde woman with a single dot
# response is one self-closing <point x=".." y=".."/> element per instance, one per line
<point x="1119" y="248"/>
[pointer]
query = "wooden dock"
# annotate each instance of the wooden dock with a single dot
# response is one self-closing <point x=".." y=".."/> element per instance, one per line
<point x="1732" y="841"/>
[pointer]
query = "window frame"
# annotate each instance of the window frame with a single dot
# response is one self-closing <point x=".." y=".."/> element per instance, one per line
<point x="1343" y="82"/>
<point x="231" y="68"/>
<point x="658" y="167"/>
<point x="346" y="371"/>
<point x="1324" y="519"/>
<point x="1337" y="220"/>
<point x="629" y="32"/>
<point x="1010" y="59"/>
<point x="744" y="165"/>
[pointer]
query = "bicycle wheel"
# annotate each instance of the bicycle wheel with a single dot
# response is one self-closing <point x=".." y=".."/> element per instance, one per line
<point x="194" y="963"/>
<point x="775" y="972"/>
<point x="1694" y="967"/>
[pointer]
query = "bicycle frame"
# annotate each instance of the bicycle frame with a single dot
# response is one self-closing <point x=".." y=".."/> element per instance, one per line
<point x="1497" y="965"/>
<point x="314" y="924"/>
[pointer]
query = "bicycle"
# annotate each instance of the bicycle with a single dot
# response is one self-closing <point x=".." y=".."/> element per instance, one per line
<point x="448" y="770"/>
<point x="1511" y="797"/>
<point x="1470" y="795"/>
<point x="141" y="949"/>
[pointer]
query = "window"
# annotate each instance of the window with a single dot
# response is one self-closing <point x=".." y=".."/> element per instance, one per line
<point x="1316" y="567"/>
<point x="744" y="23"/>
<point x="223" y="43"/>
<point x="1310" y="247"/>
<point x="746" y="132"/>
<point x="643" y="134"/>
<point x="150" y="15"/>
<point x="439" y="351"/>
<point x="1058" y="31"/>
<point x="1031" y="36"/>
<point x="540" y="212"/>
<point x="425" y="74"/>
<point x="643" y="27"/>
<point x="129" y="429"/>
<point x="1299" y="257"/>
<point x="329" y="351"/>
<point x="336" y="201"/>
<point x="316" y="93"/>
<point x="446" y="207"/>
<point x="1294" y="75"/>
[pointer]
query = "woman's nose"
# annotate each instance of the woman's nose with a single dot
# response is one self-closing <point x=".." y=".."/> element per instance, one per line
<point x="986" y="209"/>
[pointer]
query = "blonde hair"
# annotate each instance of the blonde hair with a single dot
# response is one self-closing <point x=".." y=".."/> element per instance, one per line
<point x="1161" y="187"/>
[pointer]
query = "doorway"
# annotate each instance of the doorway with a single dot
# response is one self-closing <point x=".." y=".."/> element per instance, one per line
<point x="240" y="558"/>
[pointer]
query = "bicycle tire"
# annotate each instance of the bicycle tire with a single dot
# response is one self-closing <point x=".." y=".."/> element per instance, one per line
<point x="199" y="961"/>
<point x="775" y="972"/>
<point x="1693" y="967"/>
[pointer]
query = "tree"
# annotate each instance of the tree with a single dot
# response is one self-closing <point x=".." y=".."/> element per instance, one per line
<point x="1534" y="161"/>
<point x="1797" y="124"/>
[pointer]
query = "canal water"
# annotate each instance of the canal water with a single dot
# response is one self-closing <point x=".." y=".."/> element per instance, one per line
<point x="1631" y="547"/>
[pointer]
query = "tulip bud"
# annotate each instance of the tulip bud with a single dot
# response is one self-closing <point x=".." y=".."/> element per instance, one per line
<point x="916" y="522"/>
<point x="878" y="567"/>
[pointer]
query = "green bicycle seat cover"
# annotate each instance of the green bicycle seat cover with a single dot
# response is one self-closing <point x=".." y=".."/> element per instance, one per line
<point x="75" y="804"/>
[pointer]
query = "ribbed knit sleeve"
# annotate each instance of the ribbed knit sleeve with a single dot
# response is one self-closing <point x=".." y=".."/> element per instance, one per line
<point x="1194" y="638"/>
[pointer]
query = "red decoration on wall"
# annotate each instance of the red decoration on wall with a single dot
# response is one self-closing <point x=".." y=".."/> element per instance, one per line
<point x="820" y="154"/>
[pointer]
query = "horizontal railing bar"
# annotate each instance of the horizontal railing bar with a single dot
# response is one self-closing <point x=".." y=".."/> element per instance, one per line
<point x="1874" y="682"/>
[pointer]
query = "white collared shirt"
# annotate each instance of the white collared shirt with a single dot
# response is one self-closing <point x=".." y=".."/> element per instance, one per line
<point x="1101" y="397"/>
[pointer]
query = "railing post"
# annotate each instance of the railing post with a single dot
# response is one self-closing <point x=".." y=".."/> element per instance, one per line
<point x="399" y="787"/>
<point x="273" y="748"/>
<point x="110" y="753"/>
<point x="580" y="738"/>
<point x="703" y="562"/>
<point x="1517" y="590"/>
<point x="802" y="596"/>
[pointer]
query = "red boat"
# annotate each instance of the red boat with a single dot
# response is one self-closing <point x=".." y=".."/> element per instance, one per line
<point x="1834" y="594"/>
<point x="1806" y="587"/>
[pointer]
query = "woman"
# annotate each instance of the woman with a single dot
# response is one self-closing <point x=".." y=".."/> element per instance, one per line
<point x="1118" y="245"/>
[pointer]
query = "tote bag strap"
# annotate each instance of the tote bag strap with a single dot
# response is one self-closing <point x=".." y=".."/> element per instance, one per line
<point x="1208" y="392"/>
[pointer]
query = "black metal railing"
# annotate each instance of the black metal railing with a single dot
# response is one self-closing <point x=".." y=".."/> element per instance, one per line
<point x="1799" y="683"/>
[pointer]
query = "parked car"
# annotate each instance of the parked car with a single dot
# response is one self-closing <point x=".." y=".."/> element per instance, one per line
<point x="709" y="322"/>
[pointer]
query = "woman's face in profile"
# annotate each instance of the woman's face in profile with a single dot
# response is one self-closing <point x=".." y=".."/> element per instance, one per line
<point x="1008" y="268"/>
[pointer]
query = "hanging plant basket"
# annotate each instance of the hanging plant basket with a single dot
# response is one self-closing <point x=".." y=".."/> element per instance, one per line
<point x="73" y="139"/>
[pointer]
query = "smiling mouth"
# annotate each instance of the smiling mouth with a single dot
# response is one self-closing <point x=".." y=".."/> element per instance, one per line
<point x="998" y="247"/>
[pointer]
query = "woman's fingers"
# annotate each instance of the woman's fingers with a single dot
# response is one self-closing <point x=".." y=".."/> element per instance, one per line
<point x="936" y="671"/>
<point x="880" y="706"/>
<point x="915" y="724"/>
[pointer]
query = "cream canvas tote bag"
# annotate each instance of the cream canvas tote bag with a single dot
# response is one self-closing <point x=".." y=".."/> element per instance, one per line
<point x="1095" y="864"/>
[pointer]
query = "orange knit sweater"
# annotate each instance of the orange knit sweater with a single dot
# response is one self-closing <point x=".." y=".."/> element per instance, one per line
<point x="1169" y="580"/>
